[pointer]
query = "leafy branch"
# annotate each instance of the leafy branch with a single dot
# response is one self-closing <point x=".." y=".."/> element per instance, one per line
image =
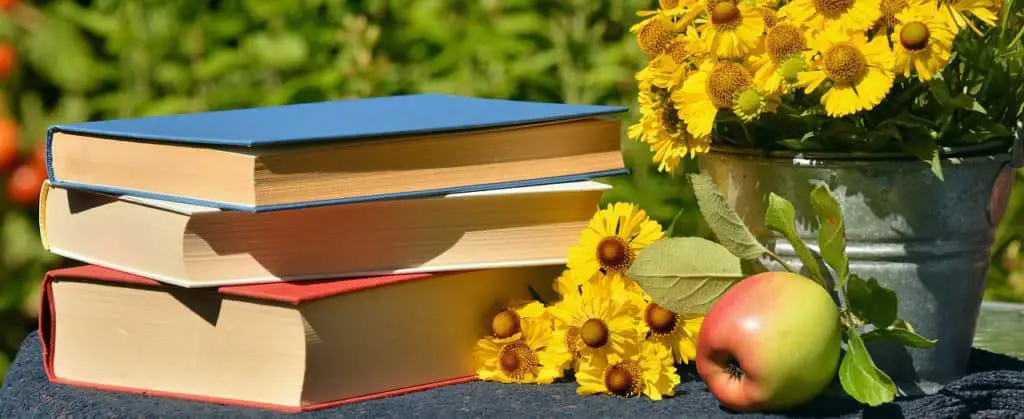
<point x="865" y="303"/>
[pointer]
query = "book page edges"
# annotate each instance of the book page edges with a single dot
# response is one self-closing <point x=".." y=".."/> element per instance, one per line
<point x="44" y="192"/>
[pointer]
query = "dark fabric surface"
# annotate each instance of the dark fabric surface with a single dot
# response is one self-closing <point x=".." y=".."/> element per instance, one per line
<point x="994" y="389"/>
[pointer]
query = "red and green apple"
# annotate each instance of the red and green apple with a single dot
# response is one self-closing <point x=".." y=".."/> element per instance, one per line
<point x="771" y="342"/>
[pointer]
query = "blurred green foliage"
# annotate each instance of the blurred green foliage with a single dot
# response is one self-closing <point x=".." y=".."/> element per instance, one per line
<point x="101" y="59"/>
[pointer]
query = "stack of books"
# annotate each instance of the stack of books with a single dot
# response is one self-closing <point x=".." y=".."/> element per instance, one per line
<point x="302" y="256"/>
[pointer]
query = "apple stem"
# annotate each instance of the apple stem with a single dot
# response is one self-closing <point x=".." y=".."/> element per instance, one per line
<point x="777" y="258"/>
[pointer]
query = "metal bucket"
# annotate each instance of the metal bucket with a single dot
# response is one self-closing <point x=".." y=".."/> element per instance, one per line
<point x="927" y="239"/>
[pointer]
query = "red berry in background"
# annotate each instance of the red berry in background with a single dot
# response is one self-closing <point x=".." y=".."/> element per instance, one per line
<point x="8" y="143"/>
<point x="39" y="154"/>
<point x="8" y="59"/>
<point x="24" y="184"/>
<point x="7" y="5"/>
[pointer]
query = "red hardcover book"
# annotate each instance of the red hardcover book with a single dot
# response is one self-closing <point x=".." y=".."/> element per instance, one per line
<point x="283" y="346"/>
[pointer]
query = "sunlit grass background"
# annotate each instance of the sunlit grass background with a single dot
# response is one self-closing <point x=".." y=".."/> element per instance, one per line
<point x="67" y="61"/>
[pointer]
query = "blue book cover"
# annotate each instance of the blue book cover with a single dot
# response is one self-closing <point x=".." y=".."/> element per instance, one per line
<point x="332" y="121"/>
<point x="341" y="120"/>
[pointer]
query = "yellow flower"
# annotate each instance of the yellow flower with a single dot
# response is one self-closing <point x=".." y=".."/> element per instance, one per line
<point x="669" y="149"/>
<point x="957" y="12"/>
<point x="567" y="286"/>
<point x="923" y="42"/>
<point x="509" y="323"/>
<point x="515" y="361"/>
<point x="666" y="134"/>
<point x="619" y="285"/>
<point x="675" y="331"/>
<point x="679" y="12"/>
<point x="654" y="34"/>
<point x="841" y="15"/>
<point x="600" y="324"/>
<point x="648" y="371"/>
<point x="859" y="71"/>
<point x="716" y="85"/>
<point x="562" y="352"/>
<point x="612" y="240"/>
<point x="732" y="29"/>
<point x="783" y="58"/>
<point x="669" y="69"/>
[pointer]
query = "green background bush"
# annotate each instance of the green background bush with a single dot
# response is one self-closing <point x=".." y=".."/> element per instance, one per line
<point x="101" y="59"/>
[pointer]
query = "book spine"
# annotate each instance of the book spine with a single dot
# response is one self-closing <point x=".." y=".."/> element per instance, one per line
<point x="46" y="324"/>
<point x="48" y="152"/>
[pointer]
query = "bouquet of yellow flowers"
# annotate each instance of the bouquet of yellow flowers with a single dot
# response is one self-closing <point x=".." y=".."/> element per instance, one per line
<point x="604" y="327"/>
<point x="827" y="75"/>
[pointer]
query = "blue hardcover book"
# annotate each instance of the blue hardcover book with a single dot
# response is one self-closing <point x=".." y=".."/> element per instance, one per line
<point x="313" y="154"/>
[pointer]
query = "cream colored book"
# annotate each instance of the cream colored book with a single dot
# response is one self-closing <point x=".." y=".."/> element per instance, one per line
<point x="197" y="246"/>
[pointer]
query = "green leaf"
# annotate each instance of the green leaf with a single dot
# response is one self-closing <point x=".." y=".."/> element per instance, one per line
<point x="686" y="274"/>
<point x="940" y="91"/>
<point x="781" y="217"/>
<point x="905" y="337"/>
<point x="723" y="220"/>
<point x="832" y="231"/>
<point x="926" y="149"/>
<point x="871" y="302"/>
<point x="861" y="378"/>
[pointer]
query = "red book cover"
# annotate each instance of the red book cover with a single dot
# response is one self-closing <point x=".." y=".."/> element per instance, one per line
<point x="287" y="293"/>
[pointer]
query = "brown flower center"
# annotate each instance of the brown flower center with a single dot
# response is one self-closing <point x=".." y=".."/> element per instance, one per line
<point x="670" y="119"/>
<point x="677" y="51"/>
<point x="662" y="321"/>
<point x="725" y="14"/>
<point x="594" y="333"/>
<point x="505" y="324"/>
<point x="572" y="341"/>
<point x="709" y="5"/>
<point x="845" y="64"/>
<point x="914" y="36"/>
<point x="784" y="40"/>
<point x="770" y="18"/>
<point x="509" y="361"/>
<point x="654" y="37"/>
<point x="517" y="360"/>
<point x="614" y="254"/>
<point x="832" y="8"/>
<point x="725" y="81"/>
<point x="889" y="10"/>
<point x="624" y="379"/>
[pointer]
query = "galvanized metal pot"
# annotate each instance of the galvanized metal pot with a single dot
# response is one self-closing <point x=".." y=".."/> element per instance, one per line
<point x="927" y="239"/>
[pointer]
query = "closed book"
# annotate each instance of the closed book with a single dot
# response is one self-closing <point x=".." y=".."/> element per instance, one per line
<point x="283" y="346"/>
<point x="279" y="157"/>
<point x="194" y="246"/>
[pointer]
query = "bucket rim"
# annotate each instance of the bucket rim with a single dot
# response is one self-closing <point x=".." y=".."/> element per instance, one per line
<point x="953" y="155"/>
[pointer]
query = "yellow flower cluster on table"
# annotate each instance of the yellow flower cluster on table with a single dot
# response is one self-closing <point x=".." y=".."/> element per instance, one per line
<point x="745" y="57"/>
<point x="605" y="328"/>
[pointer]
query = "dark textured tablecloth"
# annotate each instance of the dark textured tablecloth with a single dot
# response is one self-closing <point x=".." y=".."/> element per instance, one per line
<point x="994" y="388"/>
